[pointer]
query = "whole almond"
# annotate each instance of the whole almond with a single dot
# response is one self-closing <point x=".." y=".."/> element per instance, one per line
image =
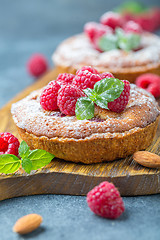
<point x="147" y="159"/>
<point x="27" y="223"/>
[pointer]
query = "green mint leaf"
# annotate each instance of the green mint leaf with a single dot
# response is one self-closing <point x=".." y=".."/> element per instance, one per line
<point x="84" y="108"/>
<point x="101" y="102"/>
<point x="27" y="164"/>
<point x="108" y="42"/>
<point x="9" y="163"/>
<point x="90" y="93"/>
<point x="40" y="158"/>
<point x="109" y="89"/>
<point x="23" y="149"/>
<point x="127" y="41"/>
<point x="131" y="7"/>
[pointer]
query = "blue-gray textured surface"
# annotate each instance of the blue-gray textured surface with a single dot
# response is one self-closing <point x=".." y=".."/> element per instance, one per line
<point x="27" y="27"/>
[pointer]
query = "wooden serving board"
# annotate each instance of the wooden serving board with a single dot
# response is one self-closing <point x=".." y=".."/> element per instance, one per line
<point x="61" y="177"/>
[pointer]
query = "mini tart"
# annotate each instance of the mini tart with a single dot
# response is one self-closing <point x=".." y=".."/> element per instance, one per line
<point x="77" y="51"/>
<point x="106" y="137"/>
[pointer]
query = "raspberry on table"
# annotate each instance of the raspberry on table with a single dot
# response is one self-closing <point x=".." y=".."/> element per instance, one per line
<point x="9" y="144"/>
<point x="105" y="201"/>
<point x="106" y="75"/>
<point x="48" y="98"/>
<point x="112" y="20"/>
<point x="132" y="27"/>
<point x="150" y="82"/>
<point x="119" y="104"/>
<point x="89" y="68"/>
<point x="85" y="79"/>
<point x="67" y="98"/>
<point x="65" y="78"/>
<point x="37" y="65"/>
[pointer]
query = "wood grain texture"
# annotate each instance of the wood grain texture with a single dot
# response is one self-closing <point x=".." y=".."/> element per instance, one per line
<point x="61" y="177"/>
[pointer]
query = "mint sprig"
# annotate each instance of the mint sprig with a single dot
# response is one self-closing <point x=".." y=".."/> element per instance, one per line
<point x="30" y="160"/>
<point x="119" y="40"/>
<point x="105" y="91"/>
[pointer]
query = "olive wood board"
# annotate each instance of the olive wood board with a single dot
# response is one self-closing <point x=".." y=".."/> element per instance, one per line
<point x="62" y="177"/>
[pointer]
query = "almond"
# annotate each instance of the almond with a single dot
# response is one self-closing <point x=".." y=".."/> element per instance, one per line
<point x="147" y="159"/>
<point x="27" y="224"/>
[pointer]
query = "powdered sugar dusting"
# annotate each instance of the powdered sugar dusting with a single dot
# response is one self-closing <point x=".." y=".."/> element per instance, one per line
<point x="141" y="110"/>
<point x="79" y="51"/>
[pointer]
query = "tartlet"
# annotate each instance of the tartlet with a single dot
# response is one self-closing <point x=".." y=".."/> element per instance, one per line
<point x="105" y="137"/>
<point x="78" y="51"/>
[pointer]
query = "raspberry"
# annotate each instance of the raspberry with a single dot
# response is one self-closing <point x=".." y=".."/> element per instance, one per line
<point x="94" y="31"/>
<point x="65" y="78"/>
<point x="112" y="20"/>
<point x="89" y="68"/>
<point x="9" y="144"/>
<point x="37" y="65"/>
<point x="106" y="75"/>
<point x="150" y="82"/>
<point x="85" y="79"/>
<point x="105" y="201"/>
<point x="48" y="98"/>
<point x="67" y="98"/>
<point x="119" y="104"/>
<point x="132" y="26"/>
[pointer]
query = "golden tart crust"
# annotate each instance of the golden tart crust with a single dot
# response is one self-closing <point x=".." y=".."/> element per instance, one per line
<point x="106" y="137"/>
<point x="77" y="51"/>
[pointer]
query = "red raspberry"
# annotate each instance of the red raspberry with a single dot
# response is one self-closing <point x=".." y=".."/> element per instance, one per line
<point x="106" y="75"/>
<point x="67" y="98"/>
<point x="119" y="104"/>
<point x="48" y="98"/>
<point x="37" y="65"/>
<point x="65" y="78"/>
<point x="89" y="68"/>
<point x="9" y="144"/>
<point x="94" y="31"/>
<point x="105" y="201"/>
<point x="150" y="82"/>
<point x="86" y="79"/>
<point x="146" y="21"/>
<point x="132" y="26"/>
<point x="112" y="20"/>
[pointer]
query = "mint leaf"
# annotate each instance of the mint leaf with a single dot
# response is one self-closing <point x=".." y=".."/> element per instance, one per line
<point x="9" y="163"/>
<point x="127" y="41"/>
<point x="131" y="7"/>
<point x="40" y="158"/>
<point x="109" y="89"/>
<point x="84" y="108"/>
<point x="27" y="164"/>
<point x="101" y="102"/>
<point x="108" y="42"/>
<point x="90" y="93"/>
<point x="23" y="149"/>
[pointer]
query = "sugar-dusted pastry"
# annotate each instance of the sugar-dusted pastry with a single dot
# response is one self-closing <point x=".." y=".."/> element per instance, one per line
<point x="113" y="45"/>
<point x="89" y="117"/>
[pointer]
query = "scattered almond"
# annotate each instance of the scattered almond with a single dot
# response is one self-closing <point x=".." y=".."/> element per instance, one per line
<point x="27" y="224"/>
<point x="147" y="159"/>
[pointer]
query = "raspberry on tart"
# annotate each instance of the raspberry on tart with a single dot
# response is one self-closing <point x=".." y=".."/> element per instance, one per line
<point x="112" y="20"/>
<point x="67" y="98"/>
<point x="85" y="79"/>
<point x="48" y="98"/>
